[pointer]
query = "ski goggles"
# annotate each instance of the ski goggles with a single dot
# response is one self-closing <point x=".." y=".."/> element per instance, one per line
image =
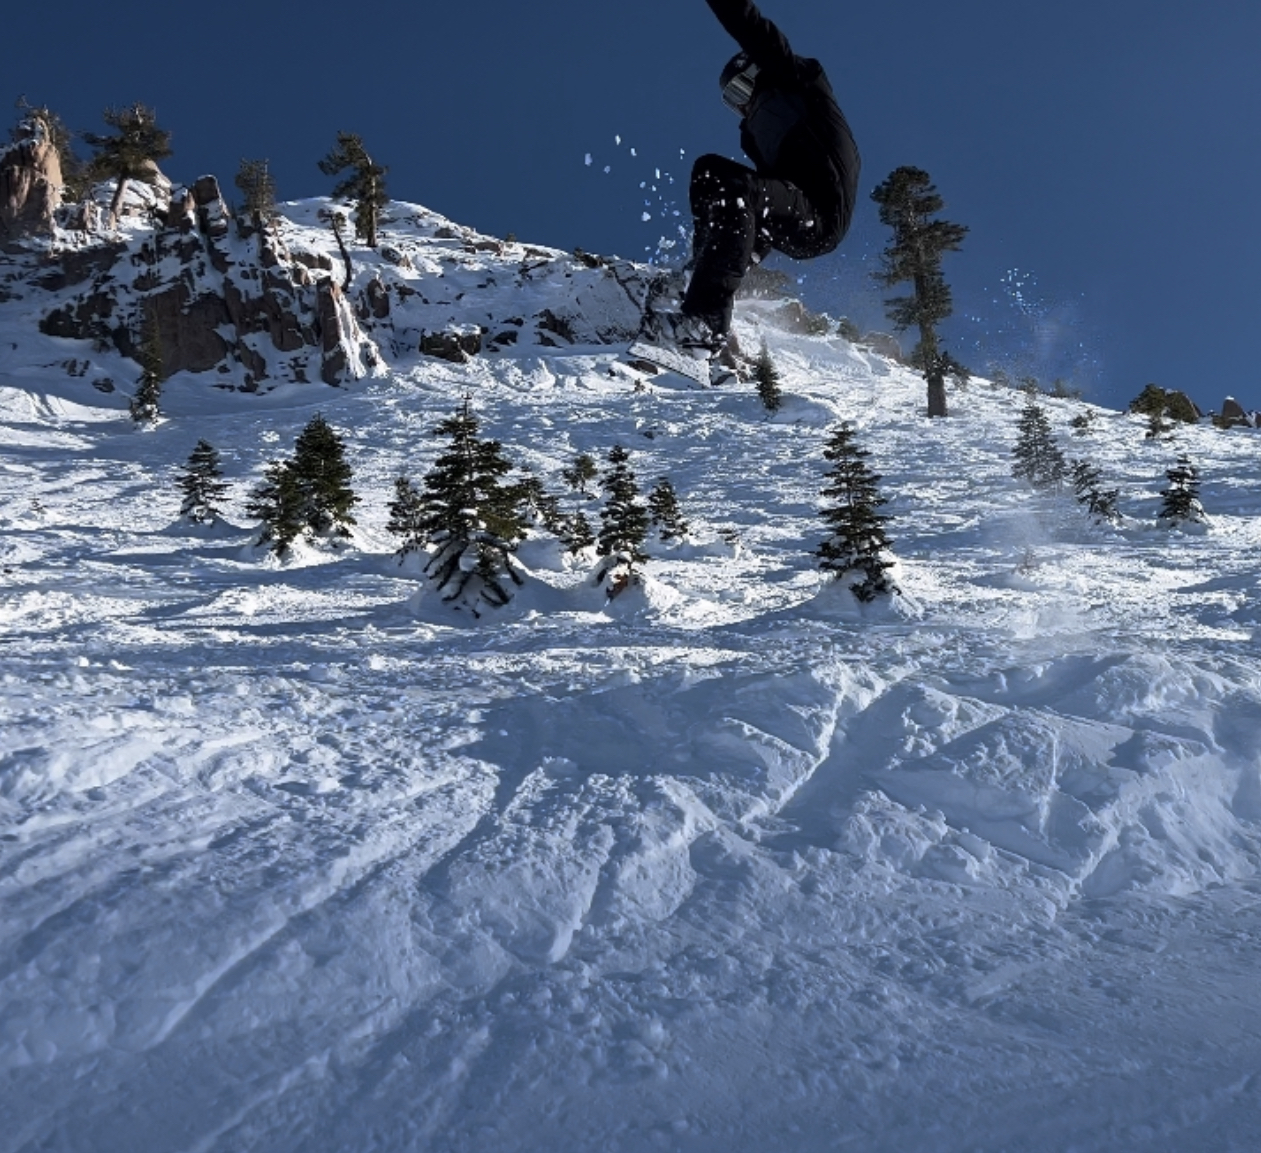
<point x="738" y="90"/>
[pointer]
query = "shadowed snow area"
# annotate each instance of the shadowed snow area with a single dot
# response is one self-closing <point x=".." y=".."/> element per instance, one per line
<point x="291" y="859"/>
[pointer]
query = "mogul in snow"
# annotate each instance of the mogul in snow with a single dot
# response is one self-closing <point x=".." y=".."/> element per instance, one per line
<point x="797" y="199"/>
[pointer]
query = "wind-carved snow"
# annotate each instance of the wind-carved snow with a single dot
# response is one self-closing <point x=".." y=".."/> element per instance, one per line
<point x="292" y="858"/>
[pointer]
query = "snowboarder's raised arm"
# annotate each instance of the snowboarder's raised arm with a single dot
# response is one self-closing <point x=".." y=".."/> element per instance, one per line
<point x="760" y="38"/>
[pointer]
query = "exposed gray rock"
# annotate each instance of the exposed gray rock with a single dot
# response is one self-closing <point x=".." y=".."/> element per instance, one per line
<point x="883" y="344"/>
<point x="1233" y="412"/>
<point x="458" y="344"/>
<point x="30" y="182"/>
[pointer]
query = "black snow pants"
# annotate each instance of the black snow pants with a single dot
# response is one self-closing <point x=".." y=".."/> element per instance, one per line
<point x="738" y="213"/>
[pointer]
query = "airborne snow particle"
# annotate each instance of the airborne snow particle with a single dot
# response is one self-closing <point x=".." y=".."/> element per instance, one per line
<point x="607" y="169"/>
<point x="634" y="153"/>
<point x="588" y="161"/>
<point x="618" y="139"/>
<point x="647" y="216"/>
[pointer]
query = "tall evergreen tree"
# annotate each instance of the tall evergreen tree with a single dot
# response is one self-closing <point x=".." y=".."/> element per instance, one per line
<point x="766" y="379"/>
<point x="407" y="517"/>
<point x="202" y="484"/>
<point x="472" y="519"/>
<point x="309" y="494"/>
<point x="857" y="543"/>
<point x="1037" y="457"/>
<point x="1100" y="503"/>
<point x="255" y="181"/>
<point x="131" y="153"/>
<point x="144" y="405"/>
<point x="908" y="200"/>
<point x="664" y="513"/>
<point x="623" y="524"/>
<point x="323" y="474"/>
<point x="1181" y="503"/>
<point x="278" y="503"/>
<point x="364" y="183"/>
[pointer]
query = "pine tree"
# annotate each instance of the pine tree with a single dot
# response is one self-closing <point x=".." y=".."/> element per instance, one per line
<point x="277" y="502"/>
<point x="1181" y="502"/>
<point x="664" y="514"/>
<point x="202" y="485"/>
<point x="1037" y="457"/>
<point x="858" y="543"/>
<point x="364" y="183"/>
<point x="623" y="524"/>
<point x="537" y="505"/>
<point x="132" y="153"/>
<point x="255" y="181"/>
<point x="323" y="475"/>
<point x="1100" y="503"/>
<point x="581" y="473"/>
<point x="578" y="534"/>
<point x="407" y="517"/>
<point x="1155" y="401"/>
<point x="908" y="200"/>
<point x="471" y="519"/>
<point x="144" y="405"/>
<point x="766" y="378"/>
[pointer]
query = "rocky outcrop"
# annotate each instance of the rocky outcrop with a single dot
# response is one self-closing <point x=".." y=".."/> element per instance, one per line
<point x="243" y="308"/>
<point x="30" y="182"/>
<point x="458" y="344"/>
<point x="1233" y="414"/>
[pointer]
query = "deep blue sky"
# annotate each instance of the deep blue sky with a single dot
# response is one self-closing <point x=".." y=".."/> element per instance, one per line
<point x="1103" y="152"/>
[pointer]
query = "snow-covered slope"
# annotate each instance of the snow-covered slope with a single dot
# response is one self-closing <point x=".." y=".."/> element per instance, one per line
<point x="290" y="860"/>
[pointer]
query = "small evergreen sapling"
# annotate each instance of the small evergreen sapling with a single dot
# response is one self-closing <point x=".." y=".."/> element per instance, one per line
<point x="277" y="503"/>
<point x="144" y="405"/>
<point x="581" y="473"/>
<point x="578" y="534"/>
<point x="407" y="517"/>
<point x="766" y="379"/>
<point x="1181" y="504"/>
<point x="1037" y="458"/>
<point x="1100" y="503"/>
<point x="202" y="485"/>
<point x="664" y="513"/>
<point x="538" y="507"/>
<point x="857" y="543"/>
<point x="623" y="525"/>
<point x="472" y="520"/>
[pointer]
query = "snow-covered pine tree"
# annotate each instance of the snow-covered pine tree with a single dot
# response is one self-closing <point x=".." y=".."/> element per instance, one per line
<point x="1181" y="504"/>
<point x="664" y="513"/>
<point x="407" y="517"/>
<point x="858" y="543"/>
<point x="578" y="533"/>
<point x="364" y="184"/>
<point x="1100" y="503"/>
<point x="472" y="520"/>
<point x="908" y="200"/>
<point x="766" y="379"/>
<point x="581" y="473"/>
<point x="277" y="503"/>
<point x="202" y="485"/>
<point x="144" y="406"/>
<point x="1037" y="457"/>
<point x="323" y="475"/>
<point x="537" y="505"/>
<point x="623" y="525"/>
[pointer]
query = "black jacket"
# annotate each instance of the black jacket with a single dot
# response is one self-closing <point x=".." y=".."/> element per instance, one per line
<point x="794" y="129"/>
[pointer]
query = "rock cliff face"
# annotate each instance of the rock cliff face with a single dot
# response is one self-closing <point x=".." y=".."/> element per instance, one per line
<point x="30" y="183"/>
<point x="225" y="300"/>
<point x="251" y="307"/>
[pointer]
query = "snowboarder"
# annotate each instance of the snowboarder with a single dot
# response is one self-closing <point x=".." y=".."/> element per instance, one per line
<point x="798" y="199"/>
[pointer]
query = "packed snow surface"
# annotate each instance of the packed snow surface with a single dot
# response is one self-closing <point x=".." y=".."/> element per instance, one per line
<point x="294" y="858"/>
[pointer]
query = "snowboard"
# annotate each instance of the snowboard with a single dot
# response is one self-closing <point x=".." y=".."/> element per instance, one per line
<point x="672" y="360"/>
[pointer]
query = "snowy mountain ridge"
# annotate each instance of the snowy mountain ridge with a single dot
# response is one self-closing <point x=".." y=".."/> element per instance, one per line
<point x="291" y="858"/>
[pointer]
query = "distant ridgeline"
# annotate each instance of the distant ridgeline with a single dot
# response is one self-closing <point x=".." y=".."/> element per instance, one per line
<point x="256" y="299"/>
